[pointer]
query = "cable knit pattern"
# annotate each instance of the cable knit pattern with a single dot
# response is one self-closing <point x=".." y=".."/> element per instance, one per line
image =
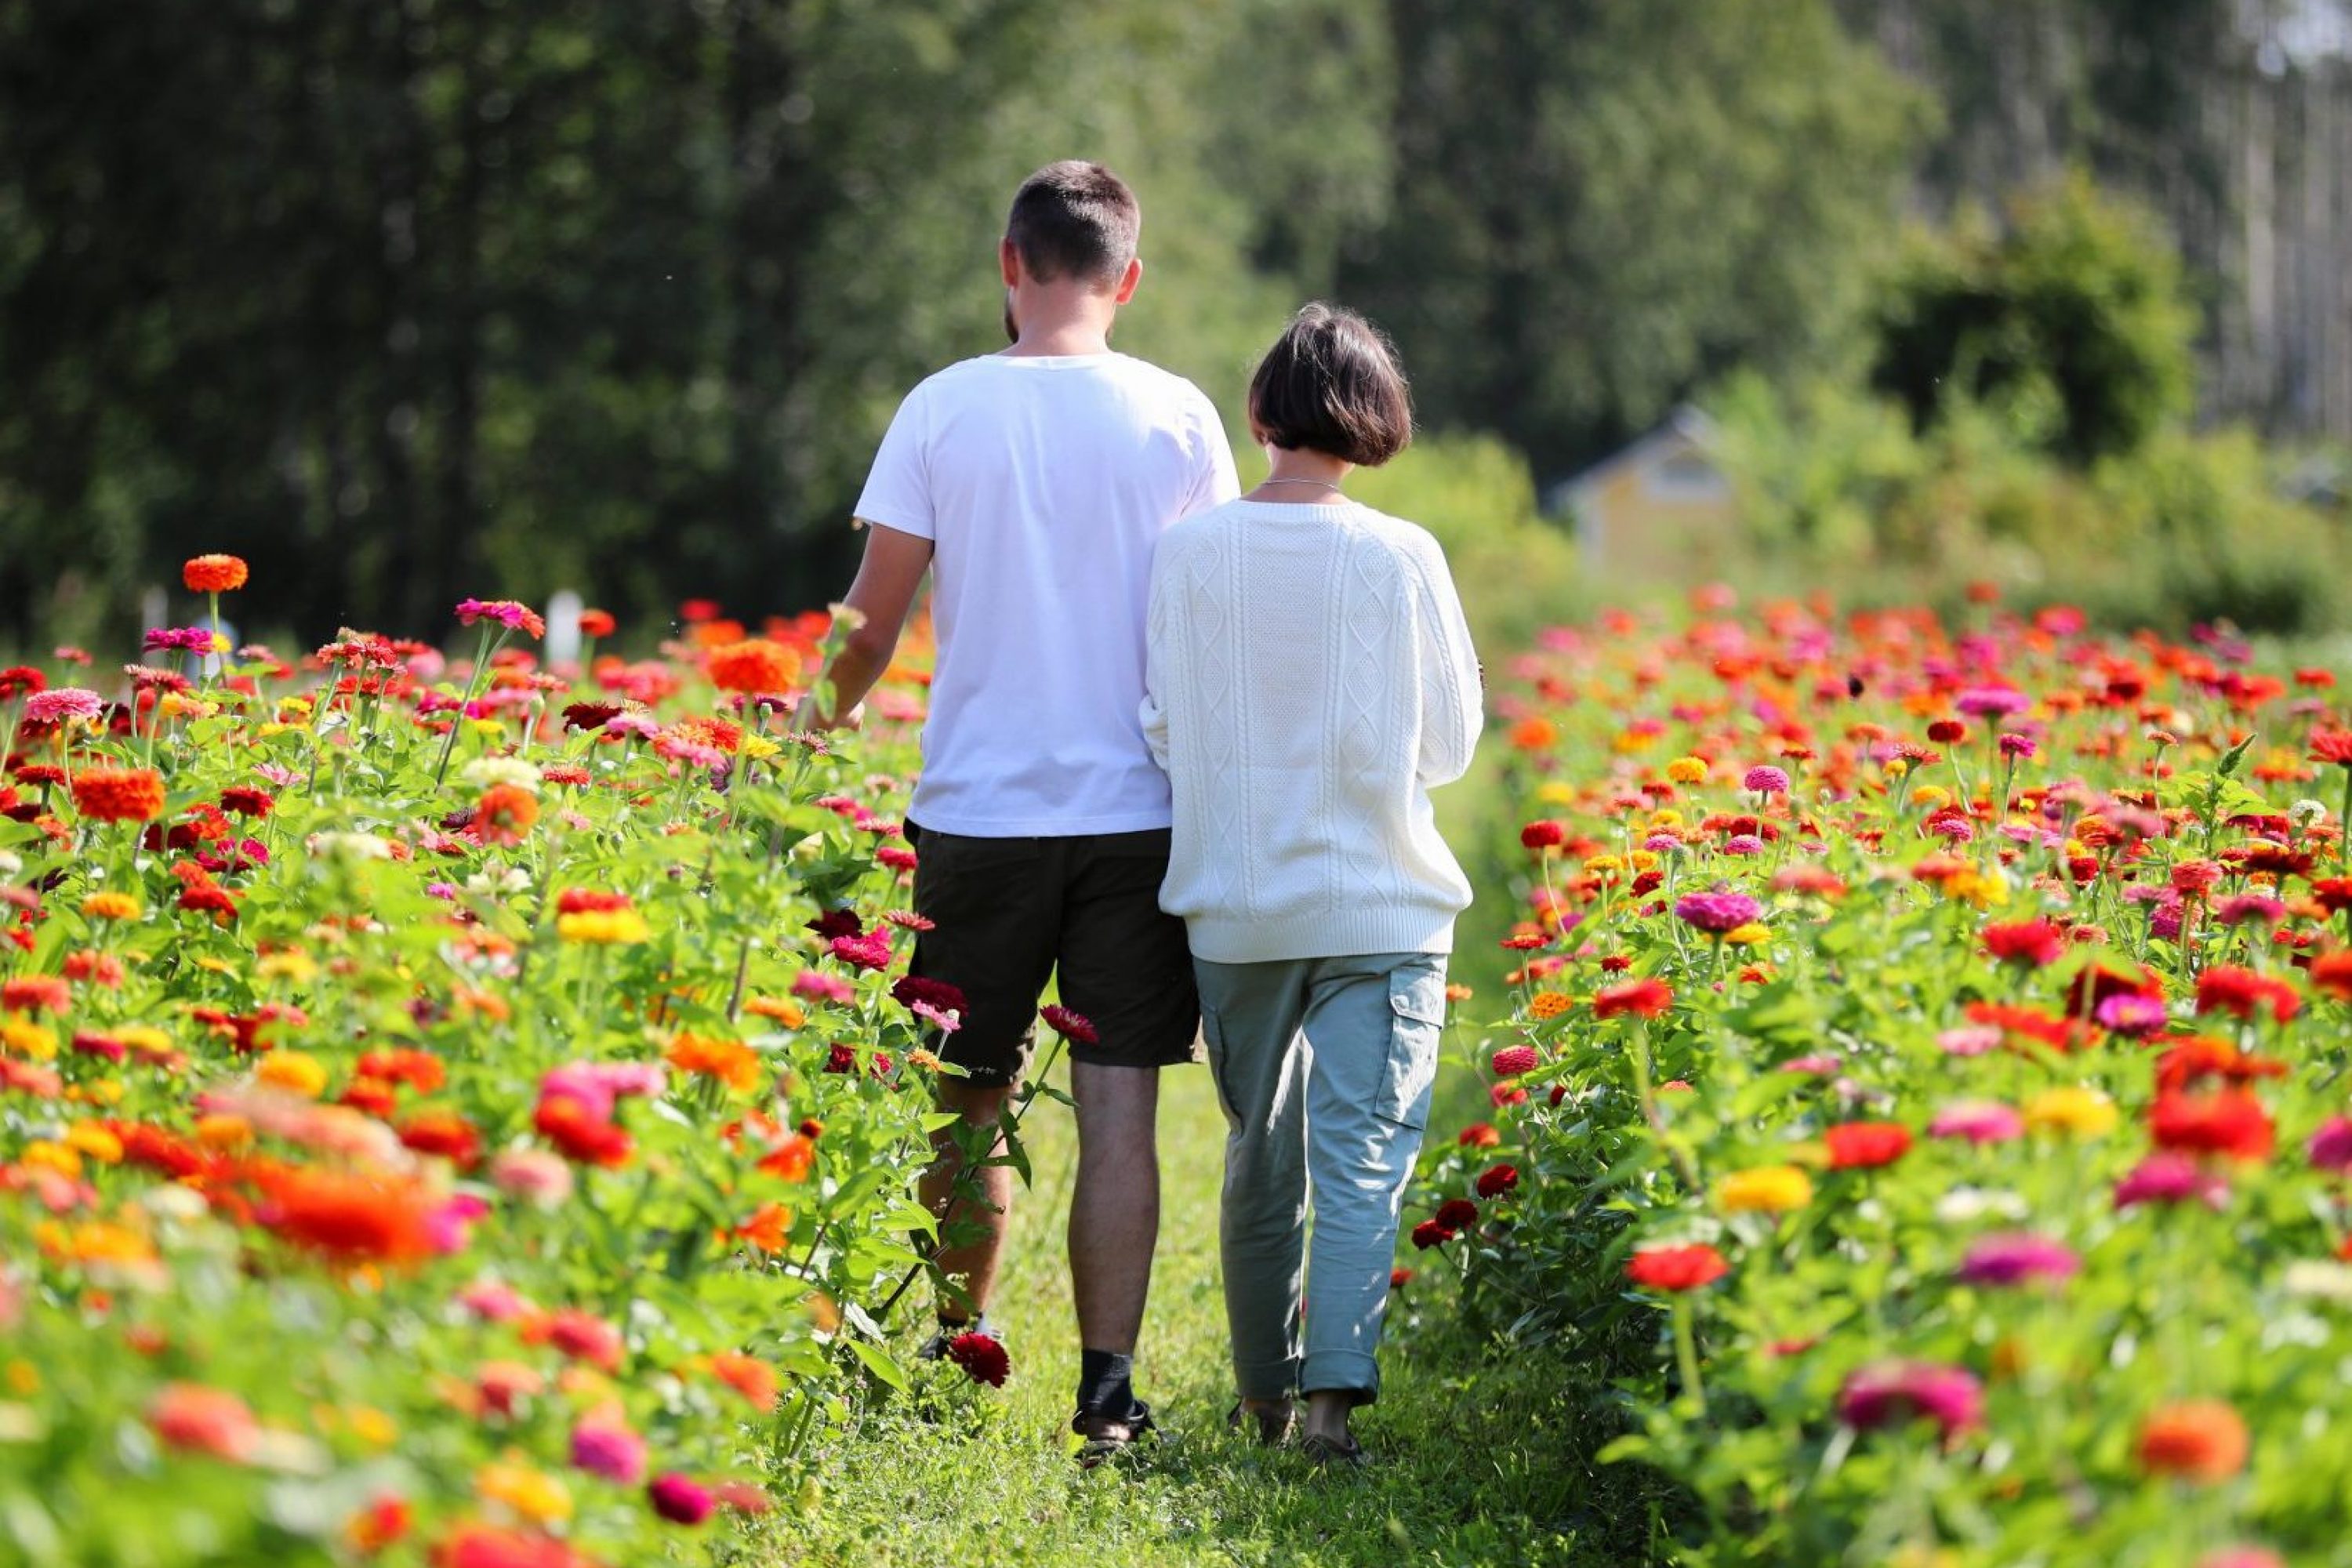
<point x="1310" y="679"/>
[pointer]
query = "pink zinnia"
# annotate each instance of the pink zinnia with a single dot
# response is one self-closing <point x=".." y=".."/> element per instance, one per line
<point x="1991" y="702"/>
<point x="680" y="1500"/>
<point x="2169" y="1178"/>
<point x="1716" y="912"/>
<point x="2017" y="1259"/>
<point x="1764" y="779"/>
<point x="2131" y="1012"/>
<point x="62" y="703"/>
<point x="1972" y="1040"/>
<point x="615" y="1453"/>
<point x="1892" y="1394"/>
<point x="810" y="986"/>
<point x="1977" y="1121"/>
<point x="871" y="951"/>
<point x="2331" y="1146"/>
<point x="1513" y="1060"/>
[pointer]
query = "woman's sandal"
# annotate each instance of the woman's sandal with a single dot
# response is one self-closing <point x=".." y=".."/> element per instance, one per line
<point x="1275" y="1420"/>
<point x="1328" y="1453"/>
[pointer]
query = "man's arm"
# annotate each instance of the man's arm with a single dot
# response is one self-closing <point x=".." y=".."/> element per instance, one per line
<point x="887" y="579"/>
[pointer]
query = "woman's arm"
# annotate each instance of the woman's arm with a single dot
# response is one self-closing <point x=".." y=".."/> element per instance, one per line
<point x="1451" y="685"/>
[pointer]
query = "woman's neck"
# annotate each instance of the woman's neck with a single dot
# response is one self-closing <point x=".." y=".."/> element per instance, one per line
<point x="1302" y="478"/>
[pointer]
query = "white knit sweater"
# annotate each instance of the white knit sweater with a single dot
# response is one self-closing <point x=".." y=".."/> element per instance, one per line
<point x="1309" y="679"/>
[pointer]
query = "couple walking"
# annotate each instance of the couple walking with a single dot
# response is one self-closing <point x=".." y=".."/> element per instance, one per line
<point x="1179" y="752"/>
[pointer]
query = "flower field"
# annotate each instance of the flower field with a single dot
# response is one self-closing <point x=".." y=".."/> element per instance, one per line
<point x="464" y="1112"/>
<point x="448" y="1114"/>
<point x="1923" y="1116"/>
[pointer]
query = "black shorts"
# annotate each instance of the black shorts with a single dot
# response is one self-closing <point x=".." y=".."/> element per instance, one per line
<point x="1007" y="912"/>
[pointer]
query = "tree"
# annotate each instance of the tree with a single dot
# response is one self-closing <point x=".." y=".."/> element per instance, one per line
<point x="2072" y="317"/>
<point x="1601" y="206"/>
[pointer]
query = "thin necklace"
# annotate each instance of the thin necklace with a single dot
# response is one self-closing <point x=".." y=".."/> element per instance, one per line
<point x="1327" y="484"/>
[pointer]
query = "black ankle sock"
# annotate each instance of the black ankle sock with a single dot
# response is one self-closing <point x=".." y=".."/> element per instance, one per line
<point x="1106" y="1382"/>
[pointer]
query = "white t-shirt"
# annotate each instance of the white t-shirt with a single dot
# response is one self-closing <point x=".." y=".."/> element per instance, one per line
<point x="1043" y="482"/>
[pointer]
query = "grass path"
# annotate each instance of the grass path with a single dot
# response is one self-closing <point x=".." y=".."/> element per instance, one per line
<point x="1477" y="1467"/>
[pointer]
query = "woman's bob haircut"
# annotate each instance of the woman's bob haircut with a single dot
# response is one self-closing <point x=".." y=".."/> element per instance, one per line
<point x="1330" y="384"/>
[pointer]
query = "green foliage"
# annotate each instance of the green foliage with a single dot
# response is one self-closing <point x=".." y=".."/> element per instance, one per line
<point x="1838" y="490"/>
<point x="1516" y="569"/>
<point x="464" y="294"/>
<point x="1601" y="206"/>
<point x="2073" y="320"/>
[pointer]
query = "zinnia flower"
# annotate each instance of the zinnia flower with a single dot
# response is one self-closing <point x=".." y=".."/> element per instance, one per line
<point x="1676" y="1269"/>
<point x="1513" y="1060"/>
<point x="2027" y="944"/>
<point x="1764" y="779"/>
<point x="1977" y="1121"/>
<point x="754" y="667"/>
<point x="1764" y="1189"/>
<point x="1497" y="1179"/>
<point x="982" y="1358"/>
<point x="2017" y="1259"/>
<point x="1717" y="912"/>
<point x="2331" y="1146"/>
<point x="609" y="1450"/>
<point x="194" y="1419"/>
<point x="2169" y="1178"/>
<point x="2228" y="1121"/>
<point x="2227" y="987"/>
<point x="1860" y="1145"/>
<point x="2197" y="1440"/>
<point x="1543" y="834"/>
<point x="1645" y="998"/>
<point x="119" y="795"/>
<point x="506" y="612"/>
<point x="680" y="1500"/>
<point x="1895" y="1393"/>
<point x="214" y="573"/>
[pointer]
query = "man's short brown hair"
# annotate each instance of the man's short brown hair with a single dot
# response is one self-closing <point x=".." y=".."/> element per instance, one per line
<point x="1330" y="384"/>
<point x="1075" y="219"/>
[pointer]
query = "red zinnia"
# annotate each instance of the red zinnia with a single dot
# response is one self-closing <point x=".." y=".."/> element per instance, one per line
<point x="1429" y="1233"/>
<point x="983" y="1357"/>
<point x="1677" y="1268"/>
<point x="2242" y="992"/>
<point x="1075" y="1027"/>
<point x="1645" y="998"/>
<point x="505" y="814"/>
<point x="1543" y="834"/>
<point x="2332" y="746"/>
<point x="1457" y="1213"/>
<point x="2027" y="944"/>
<point x="2228" y="1121"/>
<point x="1858" y="1145"/>
<point x="1497" y="1179"/>
<point x="1513" y="1060"/>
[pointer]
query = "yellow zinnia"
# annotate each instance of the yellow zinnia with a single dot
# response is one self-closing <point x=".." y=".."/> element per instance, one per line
<point x="293" y="1071"/>
<point x="1748" y="936"/>
<point x="609" y="927"/>
<point x="2073" y="1110"/>
<point x="1765" y="1189"/>
<point x="110" y="907"/>
<point x="1687" y="770"/>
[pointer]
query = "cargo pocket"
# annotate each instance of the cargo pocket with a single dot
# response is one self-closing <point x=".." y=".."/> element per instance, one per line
<point x="1417" y="1017"/>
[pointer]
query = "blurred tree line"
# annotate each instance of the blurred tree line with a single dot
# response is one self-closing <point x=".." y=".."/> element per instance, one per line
<point x="407" y="299"/>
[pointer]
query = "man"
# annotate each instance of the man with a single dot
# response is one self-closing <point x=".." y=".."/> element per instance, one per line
<point x="1032" y="483"/>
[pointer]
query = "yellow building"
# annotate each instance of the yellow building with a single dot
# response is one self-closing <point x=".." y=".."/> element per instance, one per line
<point x="1663" y="508"/>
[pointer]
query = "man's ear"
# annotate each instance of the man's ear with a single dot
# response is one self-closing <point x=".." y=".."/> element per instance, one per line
<point x="1127" y="281"/>
<point x="1008" y="261"/>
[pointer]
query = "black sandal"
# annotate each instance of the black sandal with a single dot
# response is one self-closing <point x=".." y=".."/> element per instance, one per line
<point x="1324" y="1453"/>
<point x="1273" y="1426"/>
<point x="1107" y="1435"/>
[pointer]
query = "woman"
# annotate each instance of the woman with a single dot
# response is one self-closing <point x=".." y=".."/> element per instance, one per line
<point x="1309" y="680"/>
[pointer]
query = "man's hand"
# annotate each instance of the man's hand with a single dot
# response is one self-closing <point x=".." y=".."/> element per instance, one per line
<point x="877" y="607"/>
<point x="811" y="717"/>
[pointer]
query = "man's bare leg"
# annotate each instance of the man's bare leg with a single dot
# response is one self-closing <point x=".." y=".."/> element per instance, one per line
<point x="1115" y="1208"/>
<point x="973" y="1231"/>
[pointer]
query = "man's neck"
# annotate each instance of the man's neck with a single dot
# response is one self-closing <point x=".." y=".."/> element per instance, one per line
<point x="1062" y="339"/>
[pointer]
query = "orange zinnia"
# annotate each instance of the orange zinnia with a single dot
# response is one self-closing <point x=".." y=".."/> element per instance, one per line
<point x="504" y="815"/>
<point x="214" y="573"/>
<point x="119" y="795"/>
<point x="350" y="1217"/>
<point x="2198" y="1440"/>
<point x="731" y="1062"/>
<point x="753" y="666"/>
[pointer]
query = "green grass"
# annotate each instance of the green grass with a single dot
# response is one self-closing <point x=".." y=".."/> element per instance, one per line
<point x="1480" y="1462"/>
